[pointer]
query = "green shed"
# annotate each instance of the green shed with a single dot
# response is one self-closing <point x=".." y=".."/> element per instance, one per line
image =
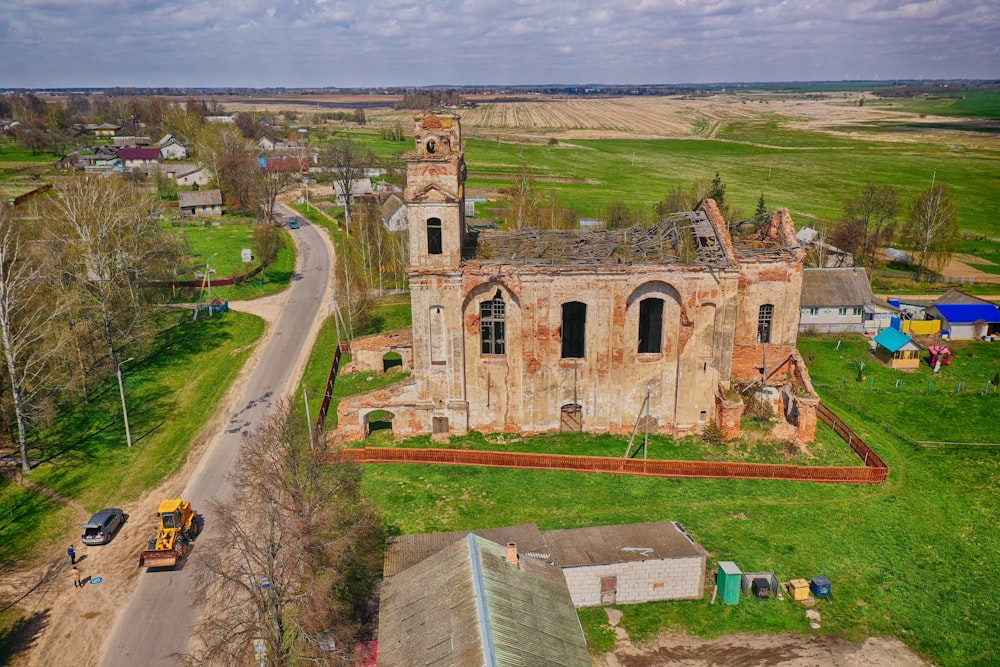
<point x="728" y="580"/>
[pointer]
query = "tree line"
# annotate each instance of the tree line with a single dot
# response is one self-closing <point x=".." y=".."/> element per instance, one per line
<point x="78" y="272"/>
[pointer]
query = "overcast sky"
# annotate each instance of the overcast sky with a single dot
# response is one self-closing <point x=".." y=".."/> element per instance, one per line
<point x="319" y="43"/>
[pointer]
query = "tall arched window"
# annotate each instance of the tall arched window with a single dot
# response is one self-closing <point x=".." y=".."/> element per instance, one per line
<point x="765" y="319"/>
<point x="574" y="328"/>
<point x="650" y="326"/>
<point x="438" y="336"/>
<point x="492" y="316"/>
<point x="434" y="239"/>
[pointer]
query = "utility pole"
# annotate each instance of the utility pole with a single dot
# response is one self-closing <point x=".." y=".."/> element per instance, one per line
<point x="121" y="391"/>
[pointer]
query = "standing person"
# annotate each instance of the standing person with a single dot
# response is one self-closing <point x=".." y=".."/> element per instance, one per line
<point x="76" y="577"/>
<point x="72" y="555"/>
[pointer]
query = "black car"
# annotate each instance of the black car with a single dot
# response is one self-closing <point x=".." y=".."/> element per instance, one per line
<point x="103" y="526"/>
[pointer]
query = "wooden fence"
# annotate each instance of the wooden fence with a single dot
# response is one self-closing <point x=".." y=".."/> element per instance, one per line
<point x="331" y="380"/>
<point x="874" y="470"/>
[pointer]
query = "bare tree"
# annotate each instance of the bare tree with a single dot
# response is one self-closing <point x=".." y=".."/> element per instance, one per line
<point x="296" y="554"/>
<point x="110" y="247"/>
<point x="524" y="200"/>
<point x="932" y="227"/>
<point x="347" y="162"/>
<point x="868" y="219"/>
<point x="27" y="314"/>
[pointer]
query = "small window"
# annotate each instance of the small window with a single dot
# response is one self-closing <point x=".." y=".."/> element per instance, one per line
<point x="574" y="327"/>
<point x="765" y="318"/>
<point x="492" y="316"/>
<point x="812" y="312"/>
<point x="842" y="312"/>
<point x="650" y="325"/>
<point x="857" y="311"/>
<point x="434" y="238"/>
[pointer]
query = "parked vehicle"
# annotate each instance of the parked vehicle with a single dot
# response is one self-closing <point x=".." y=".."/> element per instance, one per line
<point x="103" y="526"/>
<point x="178" y="528"/>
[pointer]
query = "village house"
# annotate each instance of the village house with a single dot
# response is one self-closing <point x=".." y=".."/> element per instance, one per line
<point x="137" y="157"/>
<point x="537" y="331"/>
<point x="841" y="301"/>
<point x="171" y="148"/>
<point x="393" y="210"/>
<point x="822" y="253"/>
<point x="193" y="175"/>
<point x="200" y="202"/>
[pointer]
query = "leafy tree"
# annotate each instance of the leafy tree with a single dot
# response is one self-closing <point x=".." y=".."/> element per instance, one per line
<point x="868" y="221"/>
<point x="932" y="227"/>
<point x="717" y="191"/>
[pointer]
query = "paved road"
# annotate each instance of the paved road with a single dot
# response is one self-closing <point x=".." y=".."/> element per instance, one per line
<point x="157" y="622"/>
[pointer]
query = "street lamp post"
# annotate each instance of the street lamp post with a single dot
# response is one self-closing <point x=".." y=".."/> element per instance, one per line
<point x="121" y="390"/>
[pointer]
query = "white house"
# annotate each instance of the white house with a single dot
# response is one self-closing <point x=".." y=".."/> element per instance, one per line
<point x="171" y="148"/>
<point x="841" y="301"/>
<point x="196" y="175"/>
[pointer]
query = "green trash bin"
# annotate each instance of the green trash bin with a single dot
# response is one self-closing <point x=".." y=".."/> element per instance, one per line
<point x="729" y="580"/>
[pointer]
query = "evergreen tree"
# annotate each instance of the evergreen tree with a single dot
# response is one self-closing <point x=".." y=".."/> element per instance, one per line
<point x="761" y="206"/>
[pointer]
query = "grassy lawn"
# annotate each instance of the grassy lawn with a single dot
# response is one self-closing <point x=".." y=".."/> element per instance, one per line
<point x="753" y="447"/>
<point x="171" y="393"/>
<point x="911" y="558"/>
<point x="221" y="247"/>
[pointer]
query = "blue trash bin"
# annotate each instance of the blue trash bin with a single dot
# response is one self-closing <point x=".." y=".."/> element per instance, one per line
<point x="820" y="586"/>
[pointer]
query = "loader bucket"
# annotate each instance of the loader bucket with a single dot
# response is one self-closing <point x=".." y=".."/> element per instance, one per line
<point x="159" y="558"/>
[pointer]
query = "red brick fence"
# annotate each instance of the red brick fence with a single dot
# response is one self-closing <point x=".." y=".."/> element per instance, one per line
<point x="873" y="471"/>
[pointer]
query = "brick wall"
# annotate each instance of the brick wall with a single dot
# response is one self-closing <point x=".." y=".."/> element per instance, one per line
<point x="639" y="581"/>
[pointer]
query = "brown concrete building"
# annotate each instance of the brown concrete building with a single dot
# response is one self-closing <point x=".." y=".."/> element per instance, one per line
<point x="532" y="331"/>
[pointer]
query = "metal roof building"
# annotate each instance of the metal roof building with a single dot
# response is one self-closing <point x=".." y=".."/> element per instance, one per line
<point x="476" y="603"/>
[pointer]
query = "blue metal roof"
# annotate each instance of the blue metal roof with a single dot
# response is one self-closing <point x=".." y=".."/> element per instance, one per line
<point x="892" y="339"/>
<point x="959" y="313"/>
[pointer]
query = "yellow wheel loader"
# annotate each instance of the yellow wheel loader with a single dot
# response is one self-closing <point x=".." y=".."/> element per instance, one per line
<point x="178" y="527"/>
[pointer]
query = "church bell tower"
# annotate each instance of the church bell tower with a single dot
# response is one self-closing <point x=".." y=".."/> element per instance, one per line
<point x="435" y="192"/>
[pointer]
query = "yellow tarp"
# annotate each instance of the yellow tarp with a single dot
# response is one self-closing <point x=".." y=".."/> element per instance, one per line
<point x="921" y="327"/>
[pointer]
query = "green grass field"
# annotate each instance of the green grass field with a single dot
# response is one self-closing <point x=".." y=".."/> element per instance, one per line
<point x="909" y="558"/>
<point x="171" y="393"/>
<point x="221" y="247"/>
<point x="810" y="173"/>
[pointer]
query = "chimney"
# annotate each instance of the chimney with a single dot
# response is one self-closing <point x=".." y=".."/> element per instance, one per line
<point x="512" y="553"/>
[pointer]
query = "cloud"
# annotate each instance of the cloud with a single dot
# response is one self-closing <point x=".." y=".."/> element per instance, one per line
<point x="49" y="43"/>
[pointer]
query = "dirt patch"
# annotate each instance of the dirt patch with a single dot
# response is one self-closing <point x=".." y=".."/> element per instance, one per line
<point x="784" y="650"/>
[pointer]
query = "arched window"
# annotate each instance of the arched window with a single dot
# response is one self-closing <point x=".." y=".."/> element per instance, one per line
<point x="651" y="326"/>
<point x="438" y="336"/>
<point x="492" y="316"/>
<point x="434" y="239"/>
<point x="574" y="328"/>
<point x="765" y="319"/>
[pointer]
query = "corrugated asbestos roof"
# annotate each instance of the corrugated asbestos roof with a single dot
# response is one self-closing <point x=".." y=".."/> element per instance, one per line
<point x="603" y="545"/>
<point x="199" y="198"/>
<point x="835" y="287"/>
<point x="465" y="606"/>
<point x="405" y="551"/>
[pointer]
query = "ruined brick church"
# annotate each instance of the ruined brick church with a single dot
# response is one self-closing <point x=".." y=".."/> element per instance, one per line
<point x="531" y="331"/>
